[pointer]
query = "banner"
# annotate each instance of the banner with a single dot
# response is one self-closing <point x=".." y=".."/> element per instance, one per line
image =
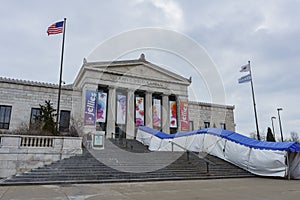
<point x="184" y="116"/>
<point x="157" y="112"/>
<point x="139" y="111"/>
<point x="245" y="79"/>
<point x="173" y="114"/>
<point x="121" y="109"/>
<point x="90" y="107"/>
<point x="101" y="107"/>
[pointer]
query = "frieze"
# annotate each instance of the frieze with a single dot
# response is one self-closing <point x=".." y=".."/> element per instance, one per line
<point x="140" y="81"/>
<point x="136" y="81"/>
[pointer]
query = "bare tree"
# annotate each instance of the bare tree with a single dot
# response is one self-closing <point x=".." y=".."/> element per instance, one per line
<point x="294" y="136"/>
<point x="76" y="127"/>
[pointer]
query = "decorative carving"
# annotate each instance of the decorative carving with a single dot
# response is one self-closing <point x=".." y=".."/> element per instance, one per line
<point x="142" y="57"/>
<point x="139" y="81"/>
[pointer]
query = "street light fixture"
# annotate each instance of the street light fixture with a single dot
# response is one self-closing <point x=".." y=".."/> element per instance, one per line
<point x="280" y="109"/>
<point x="273" y="125"/>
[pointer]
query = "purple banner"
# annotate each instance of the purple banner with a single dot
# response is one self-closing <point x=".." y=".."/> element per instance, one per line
<point x="121" y="109"/>
<point x="90" y="107"/>
<point x="101" y="107"/>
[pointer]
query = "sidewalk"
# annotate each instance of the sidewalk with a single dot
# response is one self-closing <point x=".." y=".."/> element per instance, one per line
<point x="244" y="188"/>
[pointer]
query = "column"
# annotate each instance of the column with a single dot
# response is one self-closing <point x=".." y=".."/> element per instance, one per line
<point x="149" y="110"/>
<point x="165" y="114"/>
<point x="111" y="111"/>
<point x="178" y="100"/>
<point x="130" y="112"/>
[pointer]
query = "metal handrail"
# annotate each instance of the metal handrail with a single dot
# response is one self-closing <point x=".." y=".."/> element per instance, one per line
<point x="208" y="162"/>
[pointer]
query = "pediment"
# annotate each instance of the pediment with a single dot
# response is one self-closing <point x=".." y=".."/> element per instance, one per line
<point x="145" y="70"/>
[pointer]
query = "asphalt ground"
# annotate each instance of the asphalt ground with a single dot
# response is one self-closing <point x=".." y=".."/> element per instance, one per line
<point x="237" y="188"/>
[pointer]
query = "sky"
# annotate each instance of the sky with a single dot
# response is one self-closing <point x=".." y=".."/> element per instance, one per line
<point x="267" y="33"/>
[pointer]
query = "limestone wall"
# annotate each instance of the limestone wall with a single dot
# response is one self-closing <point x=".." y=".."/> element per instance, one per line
<point x="20" y="153"/>
<point x="25" y="95"/>
<point x="213" y="113"/>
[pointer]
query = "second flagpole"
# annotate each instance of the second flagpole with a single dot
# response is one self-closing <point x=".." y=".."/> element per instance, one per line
<point x="254" y="104"/>
<point x="60" y="75"/>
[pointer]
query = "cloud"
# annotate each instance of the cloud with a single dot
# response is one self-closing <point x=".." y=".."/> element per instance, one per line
<point x="232" y="32"/>
<point x="172" y="12"/>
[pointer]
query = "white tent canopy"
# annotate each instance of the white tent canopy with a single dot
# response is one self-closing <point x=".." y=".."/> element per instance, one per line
<point x="280" y="159"/>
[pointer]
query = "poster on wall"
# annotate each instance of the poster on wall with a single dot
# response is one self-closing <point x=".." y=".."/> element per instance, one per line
<point x="139" y="111"/>
<point x="157" y="112"/>
<point x="90" y="107"/>
<point x="121" y="109"/>
<point x="101" y="107"/>
<point x="184" y="116"/>
<point x="173" y="114"/>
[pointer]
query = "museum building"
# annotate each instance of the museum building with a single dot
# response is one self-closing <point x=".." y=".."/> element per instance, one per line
<point x="115" y="97"/>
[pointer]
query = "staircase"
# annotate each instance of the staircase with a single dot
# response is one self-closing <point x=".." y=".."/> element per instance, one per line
<point x="126" y="161"/>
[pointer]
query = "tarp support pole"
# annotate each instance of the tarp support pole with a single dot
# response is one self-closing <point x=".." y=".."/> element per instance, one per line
<point x="207" y="168"/>
<point x="248" y="161"/>
<point x="188" y="155"/>
<point x="288" y="165"/>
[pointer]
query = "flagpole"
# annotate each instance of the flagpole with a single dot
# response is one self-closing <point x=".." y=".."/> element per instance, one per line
<point x="60" y="75"/>
<point x="254" y="104"/>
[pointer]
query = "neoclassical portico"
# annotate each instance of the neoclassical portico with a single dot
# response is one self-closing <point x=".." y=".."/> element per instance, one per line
<point x="115" y="97"/>
<point x="133" y="92"/>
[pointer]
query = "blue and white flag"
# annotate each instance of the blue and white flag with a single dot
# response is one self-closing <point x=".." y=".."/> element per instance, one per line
<point x="245" y="79"/>
<point x="245" y="68"/>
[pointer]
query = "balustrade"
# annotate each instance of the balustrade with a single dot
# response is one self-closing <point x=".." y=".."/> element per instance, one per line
<point x="36" y="141"/>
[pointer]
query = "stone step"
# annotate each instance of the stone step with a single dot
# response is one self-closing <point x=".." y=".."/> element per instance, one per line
<point x="89" y="168"/>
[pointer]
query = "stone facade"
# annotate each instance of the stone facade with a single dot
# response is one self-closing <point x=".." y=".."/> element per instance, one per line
<point x="22" y="96"/>
<point x="20" y="153"/>
<point x="130" y="78"/>
<point x="218" y="116"/>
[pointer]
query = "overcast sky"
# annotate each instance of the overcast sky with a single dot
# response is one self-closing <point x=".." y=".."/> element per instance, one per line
<point x="231" y="32"/>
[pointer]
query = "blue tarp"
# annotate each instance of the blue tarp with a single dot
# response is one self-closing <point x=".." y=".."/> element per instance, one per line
<point x="232" y="136"/>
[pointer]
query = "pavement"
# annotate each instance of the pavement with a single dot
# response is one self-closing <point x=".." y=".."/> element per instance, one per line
<point x="238" y="188"/>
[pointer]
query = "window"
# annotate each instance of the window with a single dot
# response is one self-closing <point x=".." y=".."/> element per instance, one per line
<point x="191" y="124"/>
<point x="206" y="124"/>
<point x="35" y="112"/>
<point x="5" y="112"/>
<point x="64" y="121"/>
<point x="223" y="126"/>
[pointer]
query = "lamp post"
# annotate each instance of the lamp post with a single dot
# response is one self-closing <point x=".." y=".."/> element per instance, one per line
<point x="273" y="125"/>
<point x="279" y="109"/>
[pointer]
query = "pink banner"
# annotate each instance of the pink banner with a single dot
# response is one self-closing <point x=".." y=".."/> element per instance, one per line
<point x="173" y="114"/>
<point x="157" y="112"/>
<point x="139" y="111"/>
<point x="184" y="116"/>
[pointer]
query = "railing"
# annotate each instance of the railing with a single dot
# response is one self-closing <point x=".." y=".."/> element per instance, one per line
<point x="208" y="162"/>
<point x="30" y="151"/>
<point x="36" y="141"/>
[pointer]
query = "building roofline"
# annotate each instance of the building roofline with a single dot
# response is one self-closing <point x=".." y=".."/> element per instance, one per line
<point x="140" y="61"/>
<point x="34" y="83"/>
<point x="211" y="105"/>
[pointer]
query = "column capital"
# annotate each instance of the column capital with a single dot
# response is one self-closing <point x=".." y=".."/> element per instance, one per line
<point x="130" y="90"/>
<point x="165" y="94"/>
<point x="149" y="92"/>
<point x="112" y="87"/>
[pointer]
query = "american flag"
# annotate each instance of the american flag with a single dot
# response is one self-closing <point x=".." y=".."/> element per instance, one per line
<point x="56" y="28"/>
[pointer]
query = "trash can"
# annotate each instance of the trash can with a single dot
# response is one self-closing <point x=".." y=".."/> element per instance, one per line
<point x="98" y="140"/>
